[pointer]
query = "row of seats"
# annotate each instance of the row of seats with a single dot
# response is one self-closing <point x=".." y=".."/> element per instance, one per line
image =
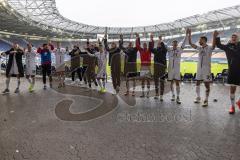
<point x="219" y="77"/>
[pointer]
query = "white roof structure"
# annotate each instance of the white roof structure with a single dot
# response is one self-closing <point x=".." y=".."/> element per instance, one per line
<point x="41" y="17"/>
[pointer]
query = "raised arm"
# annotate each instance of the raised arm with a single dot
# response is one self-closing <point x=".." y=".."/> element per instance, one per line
<point x="151" y="44"/>
<point x="106" y="43"/>
<point x="163" y="46"/>
<point x="217" y="41"/>
<point x="88" y="43"/>
<point x="51" y="46"/>
<point x="220" y="45"/>
<point x="190" y="39"/>
<point x="8" y="52"/>
<point x="121" y="43"/>
<point x="138" y="43"/>
<point x="99" y="42"/>
<point x="223" y="47"/>
<point x="215" y="34"/>
<point x="184" y="41"/>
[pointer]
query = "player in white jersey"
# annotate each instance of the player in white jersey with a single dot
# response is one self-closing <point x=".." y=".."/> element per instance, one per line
<point x="203" y="66"/>
<point x="174" y="55"/>
<point x="60" y="65"/>
<point x="30" y="66"/>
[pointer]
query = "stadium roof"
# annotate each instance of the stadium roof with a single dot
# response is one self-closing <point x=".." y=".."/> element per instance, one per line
<point x="42" y="18"/>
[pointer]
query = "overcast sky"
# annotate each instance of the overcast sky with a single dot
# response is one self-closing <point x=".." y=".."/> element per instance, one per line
<point x="128" y="13"/>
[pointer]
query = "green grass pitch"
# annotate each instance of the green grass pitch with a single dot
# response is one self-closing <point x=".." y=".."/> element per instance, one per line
<point x="189" y="67"/>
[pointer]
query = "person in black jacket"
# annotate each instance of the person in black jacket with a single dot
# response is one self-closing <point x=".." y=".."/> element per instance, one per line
<point x="91" y="62"/>
<point x="114" y="62"/>
<point x="14" y="66"/>
<point x="160" y="63"/>
<point x="232" y="50"/>
<point x="75" y="63"/>
<point x="130" y="69"/>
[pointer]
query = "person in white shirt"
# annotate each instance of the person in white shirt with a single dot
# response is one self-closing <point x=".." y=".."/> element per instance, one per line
<point x="102" y="64"/>
<point x="203" y="66"/>
<point x="174" y="55"/>
<point x="30" y="62"/>
<point x="60" y="65"/>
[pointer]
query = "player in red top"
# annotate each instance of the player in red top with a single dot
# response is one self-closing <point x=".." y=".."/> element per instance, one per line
<point x="145" y="54"/>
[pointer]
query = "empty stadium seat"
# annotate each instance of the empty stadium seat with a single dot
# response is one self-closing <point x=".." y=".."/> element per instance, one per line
<point x="188" y="77"/>
<point x="219" y="77"/>
<point x="225" y="75"/>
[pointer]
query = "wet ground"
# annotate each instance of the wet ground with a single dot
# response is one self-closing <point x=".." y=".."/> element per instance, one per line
<point x="76" y="123"/>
